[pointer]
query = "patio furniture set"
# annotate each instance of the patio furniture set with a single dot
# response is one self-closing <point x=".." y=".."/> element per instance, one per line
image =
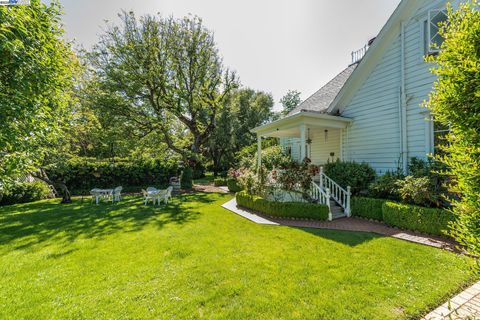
<point x="151" y="194"/>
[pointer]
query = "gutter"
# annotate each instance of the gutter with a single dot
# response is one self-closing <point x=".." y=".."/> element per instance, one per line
<point x="403" y="104"/>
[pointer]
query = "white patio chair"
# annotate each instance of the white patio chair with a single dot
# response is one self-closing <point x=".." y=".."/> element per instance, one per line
<point x="150" y="189"/>
<point x="169" y="194"/>
<point x="117" y="194"/>
<point x="96" y="194"/>
<point x="148" y="196"/>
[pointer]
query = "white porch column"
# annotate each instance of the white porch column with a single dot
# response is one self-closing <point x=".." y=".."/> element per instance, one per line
<point x="303" y="142"/>
<point x="259" y="152"/>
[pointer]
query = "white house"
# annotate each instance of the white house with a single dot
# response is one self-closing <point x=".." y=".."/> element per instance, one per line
<point x="372" y="111"/>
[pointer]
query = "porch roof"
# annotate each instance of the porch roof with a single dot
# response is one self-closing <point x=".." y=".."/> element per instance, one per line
<point x="290" y="126"/>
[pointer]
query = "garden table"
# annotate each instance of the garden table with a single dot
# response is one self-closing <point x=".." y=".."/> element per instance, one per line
<point x="99" y="193"/>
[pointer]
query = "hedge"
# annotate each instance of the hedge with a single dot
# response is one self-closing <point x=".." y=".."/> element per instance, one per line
<point x="410" y="217"/>
<point x="219" y="182"/>
<point x="23" y="192"/>
<point x="83" y="174"/>
<point x="282" y="209"/>
<point x="369" y="208"/>
<point x="233" y="185"/>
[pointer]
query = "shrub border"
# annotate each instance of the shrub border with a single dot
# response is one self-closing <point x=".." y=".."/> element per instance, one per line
<point x="283" y="209"/>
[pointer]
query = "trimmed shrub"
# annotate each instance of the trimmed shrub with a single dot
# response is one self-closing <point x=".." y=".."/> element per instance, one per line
<point x="353" y="174"/>
<point x="369" y="208"/>
<point x="219" y="182"/>
<point x="428" y="220"/>
<point x="385" y="187"/>
<point x="233" y="185"/>
<point x="282" y="209"/>
<point x="186" y="179"/>
<point x="23" y="192"/>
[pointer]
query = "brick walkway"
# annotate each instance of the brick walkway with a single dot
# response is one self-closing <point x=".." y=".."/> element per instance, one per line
<point x="347" y="224"/>
<point x="465" y="305"/>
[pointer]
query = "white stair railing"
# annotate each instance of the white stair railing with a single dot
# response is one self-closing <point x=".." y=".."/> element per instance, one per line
<point x="322" y="197"/>
<point x="339" y="194"/>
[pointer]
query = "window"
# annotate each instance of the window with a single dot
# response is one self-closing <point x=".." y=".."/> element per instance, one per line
<point x="440" y="133"/>
<point x="432" y="38"/>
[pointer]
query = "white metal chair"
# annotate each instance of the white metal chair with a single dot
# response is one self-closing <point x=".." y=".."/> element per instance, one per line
<point x="96" y="194"/>
<point x="117" y="194"/>
<point x="150" y="189"/>
<point x="148" y="196"/>
<point x="169" y="194"/>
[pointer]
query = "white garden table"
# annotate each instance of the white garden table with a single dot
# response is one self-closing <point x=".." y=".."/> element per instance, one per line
<point x="102" y="193"/>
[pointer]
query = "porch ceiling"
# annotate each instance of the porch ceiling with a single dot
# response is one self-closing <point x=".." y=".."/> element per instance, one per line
<point x="289" y="127"/>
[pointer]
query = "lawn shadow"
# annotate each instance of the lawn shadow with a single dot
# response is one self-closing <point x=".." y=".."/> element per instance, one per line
<point x="35" y="224"/>
<point x="345" y="237"/>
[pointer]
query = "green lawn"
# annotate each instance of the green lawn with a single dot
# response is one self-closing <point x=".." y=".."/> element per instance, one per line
<point x="194" y="259"/>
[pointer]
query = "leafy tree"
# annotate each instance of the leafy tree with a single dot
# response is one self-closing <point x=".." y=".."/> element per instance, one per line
<point x="164" y="76"/>
<point x="244" y="110"/>
<point x="290" y="101"/>
<point x="455" y="102"/>
<point x="36" y="80"/>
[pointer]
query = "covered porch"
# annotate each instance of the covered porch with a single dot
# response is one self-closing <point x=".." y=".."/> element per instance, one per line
<point x="312" y="135"/>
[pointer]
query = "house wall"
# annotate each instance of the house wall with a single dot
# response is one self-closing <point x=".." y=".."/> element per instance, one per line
<point x="375" y="135"/>
<point x="320" y="147"/>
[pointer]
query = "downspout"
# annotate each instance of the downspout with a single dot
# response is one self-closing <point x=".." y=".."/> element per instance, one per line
<point x="403" y="104"/>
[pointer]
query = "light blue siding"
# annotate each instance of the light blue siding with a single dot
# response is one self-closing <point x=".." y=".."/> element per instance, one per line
<point x="375" y="135"/>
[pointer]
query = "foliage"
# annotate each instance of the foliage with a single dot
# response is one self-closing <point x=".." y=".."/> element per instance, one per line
<point x="290" y="101"/>
<point x="84" y="174"/>
<point x="37" y="70"/>
<point x="418" y="191"/>
<point x="163" y="75"/>
<point x="22" y="192"/>
<point x="455" y="103"/>
<point x="272" y="157"/>
<point x="247" y="155"/>
<point x="233" y="185"/>
<point x="369" y="208"/>
<point x="220" y="182"/>
<point x="244" y="110"/>
<point x="186" y="178"/>
<point x="57" y="258"/>
<point x="385" y="186"/>
<point x="428" y="220"/>
<point x="356" y="175"/>
<point x="282" y="209"/>
<point x="296" y="177"/>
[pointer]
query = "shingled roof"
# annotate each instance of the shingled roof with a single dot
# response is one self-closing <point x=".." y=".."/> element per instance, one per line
<point x="321" y="100"/>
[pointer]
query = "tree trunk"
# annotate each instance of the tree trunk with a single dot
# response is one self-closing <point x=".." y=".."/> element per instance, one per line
<point x="58" y="185"/>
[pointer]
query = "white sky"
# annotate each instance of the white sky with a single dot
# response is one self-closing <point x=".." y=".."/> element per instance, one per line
<point x="274" y="45"/>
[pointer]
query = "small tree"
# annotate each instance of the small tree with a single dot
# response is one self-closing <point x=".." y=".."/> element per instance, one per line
<point x="290" y="101"/>
<point x="455" y="103"/>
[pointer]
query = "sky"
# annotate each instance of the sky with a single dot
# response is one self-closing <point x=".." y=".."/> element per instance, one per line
<point x="273" y="45"/>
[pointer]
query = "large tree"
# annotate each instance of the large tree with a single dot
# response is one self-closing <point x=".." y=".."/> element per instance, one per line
<point x="455" y="103"/>
<point x="163" y="75"/>
<point x="244" y="110"/>
<point x="290" y="101"/>
<point x="36" y="82"/>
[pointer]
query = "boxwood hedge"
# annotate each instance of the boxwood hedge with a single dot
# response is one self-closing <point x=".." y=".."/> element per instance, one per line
<point x="369" y="208"/>
<point x="427" y="220"/>
<point x="282" y="209"/>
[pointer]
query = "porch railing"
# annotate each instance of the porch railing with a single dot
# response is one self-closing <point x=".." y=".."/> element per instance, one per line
<point x="322" y="197"/>
<point x="339" y="194"/>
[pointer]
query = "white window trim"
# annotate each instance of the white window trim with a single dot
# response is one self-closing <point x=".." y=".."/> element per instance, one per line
<point x="432" y="13"/>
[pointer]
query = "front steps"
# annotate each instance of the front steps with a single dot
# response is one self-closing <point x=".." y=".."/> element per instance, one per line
<point x="337" y="211"/>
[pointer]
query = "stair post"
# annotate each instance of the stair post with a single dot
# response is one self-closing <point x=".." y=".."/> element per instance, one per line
<point x="330" y="216"/>
<point x="348" y="210"/>
<point x="321" y="177"/>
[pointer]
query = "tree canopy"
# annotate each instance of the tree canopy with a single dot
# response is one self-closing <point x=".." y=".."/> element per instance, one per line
<point x="455" y="103"/>
<point x="163" y="76"/>
<point x="37" y="70"/>
<point x="290" y="101"/>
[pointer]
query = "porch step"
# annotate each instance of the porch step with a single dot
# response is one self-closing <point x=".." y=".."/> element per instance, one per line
<point x="337" y="211"/>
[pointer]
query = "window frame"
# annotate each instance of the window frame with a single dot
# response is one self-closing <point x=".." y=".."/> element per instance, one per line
<point x="428" y="43"/>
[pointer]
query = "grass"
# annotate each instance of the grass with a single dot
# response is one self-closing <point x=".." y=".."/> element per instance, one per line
<point x="192" y="259"/>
